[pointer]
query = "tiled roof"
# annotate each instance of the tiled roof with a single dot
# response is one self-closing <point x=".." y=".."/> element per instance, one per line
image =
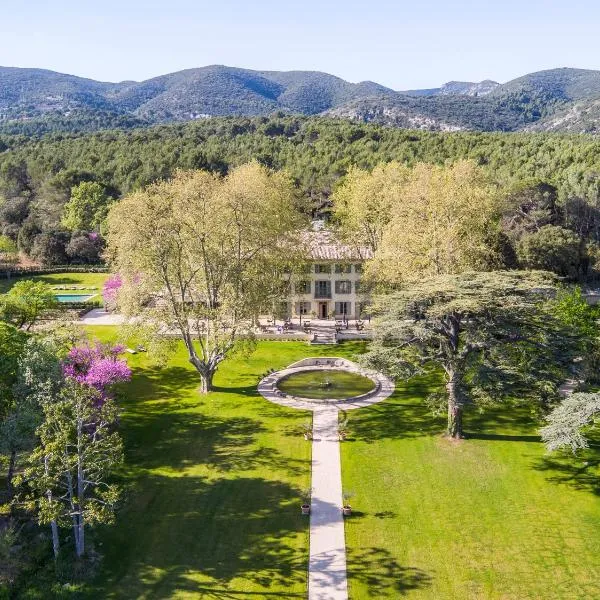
<point x="323" y="245"/>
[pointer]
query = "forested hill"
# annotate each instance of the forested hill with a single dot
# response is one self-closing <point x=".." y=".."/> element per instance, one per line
<point x="37" y="101"/>
<point x="38" y="175"/>
<point x="316" y="151"/>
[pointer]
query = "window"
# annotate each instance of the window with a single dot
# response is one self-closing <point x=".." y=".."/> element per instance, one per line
<point x="322" y="289"/>
<point x="302" y="308"/>
<point x="340" y="268"/>
<point x="360" y="288"/>
<point x="322" y="268"/>
<point x="302" y="287"/>
<point x="305" y="269"/>
<point x="343" y="287"/>
<point x="358" y="268"/>
<point x="343" y="308"/>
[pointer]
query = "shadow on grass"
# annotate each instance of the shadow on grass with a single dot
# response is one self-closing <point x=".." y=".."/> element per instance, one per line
<point x="177" y="440"/>
<point x="403" y="415"/>
<point x="502" y="438"/>
<point x="382" y="575"/>
<point x="200" y="535"/>
<point x="581" y="472"/>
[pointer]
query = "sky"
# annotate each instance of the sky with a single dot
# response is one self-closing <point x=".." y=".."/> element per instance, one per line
<point x="403" y="45"/>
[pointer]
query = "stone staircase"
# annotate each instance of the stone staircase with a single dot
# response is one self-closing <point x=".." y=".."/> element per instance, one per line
<point x="324" y="337"/>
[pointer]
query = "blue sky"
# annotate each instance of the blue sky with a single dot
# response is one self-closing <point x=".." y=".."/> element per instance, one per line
<point x="399" y="44"/>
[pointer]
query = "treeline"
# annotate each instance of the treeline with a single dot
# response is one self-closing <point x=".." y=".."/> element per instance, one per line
<point x="37" y="175"/>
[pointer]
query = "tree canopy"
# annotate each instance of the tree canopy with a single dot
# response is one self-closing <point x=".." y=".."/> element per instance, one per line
<point x="204" y="254"/>
<point x="494" y="335"/>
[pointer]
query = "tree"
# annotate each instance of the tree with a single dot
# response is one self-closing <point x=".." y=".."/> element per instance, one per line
<point x="97" y="366"/>
<point x="492" y="335"/>
<point x="12" y="347"/>
<point x="25" y="302"/>
<point x="569" y="420"/>
<point x="9" y="254"/>
<point x="202" y="253"/>
<point x="552" y="248"/>
<point x="85" y="248"/>
<point x="110" y="290"/>
<point x="87" y="208"/>
<point x="39" y="381"/>
<point x="364" y="202"/>
<point x="529" y="207"/>
<point x="68" y="474"/>
<point x="50" y="248"/>
<point x="443" y="220"/>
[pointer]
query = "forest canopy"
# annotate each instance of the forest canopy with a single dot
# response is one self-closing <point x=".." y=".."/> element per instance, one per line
<point x="557" y="175"/>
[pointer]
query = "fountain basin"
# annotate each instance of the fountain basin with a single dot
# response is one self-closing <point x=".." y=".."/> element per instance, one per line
<point x="326" y="384"/>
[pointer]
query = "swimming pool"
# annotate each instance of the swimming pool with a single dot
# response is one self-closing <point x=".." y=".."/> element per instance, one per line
<point x="73" y="297"/>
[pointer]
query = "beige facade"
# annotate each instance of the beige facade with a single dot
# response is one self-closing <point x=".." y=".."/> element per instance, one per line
<point x="330" y="287"/>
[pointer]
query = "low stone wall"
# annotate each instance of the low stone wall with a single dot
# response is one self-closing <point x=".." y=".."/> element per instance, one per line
<point x="284" y="337"/>
<point x="331" y="361"/>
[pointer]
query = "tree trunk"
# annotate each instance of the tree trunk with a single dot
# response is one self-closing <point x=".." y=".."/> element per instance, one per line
<point x="80" y="492"/>
<point x="455" y="410"/>
<point x="55" y="541"/>
<point x="206" y="384"/>
<point x="12" y="465"/>
<point x="206" y="371"/>
<point x="53" y="524"/>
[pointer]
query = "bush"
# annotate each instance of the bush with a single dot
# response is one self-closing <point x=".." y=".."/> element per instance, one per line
<point x="50" y="248"/>
<point x="85" y="248"/>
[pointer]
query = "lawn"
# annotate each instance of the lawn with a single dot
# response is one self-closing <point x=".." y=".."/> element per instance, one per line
<point x="213" y="507"/>
<point x="214" y="486"/>
<point x="88" y="280"/>
<point x="492" y="517"/>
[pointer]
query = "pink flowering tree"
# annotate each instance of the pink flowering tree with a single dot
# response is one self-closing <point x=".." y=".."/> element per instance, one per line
<point x="97" y="366"/>
<point x="110" y="290"/>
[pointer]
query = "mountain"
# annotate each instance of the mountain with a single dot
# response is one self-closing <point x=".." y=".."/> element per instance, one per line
<point x="434" y="113"/>
<point x="457" y="88"/>
<point x="192" y="93"/>
<point x="34" y="101"/>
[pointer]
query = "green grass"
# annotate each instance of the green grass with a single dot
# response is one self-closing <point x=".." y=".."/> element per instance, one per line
<point x="491" y="517"/>
<point x="215" y="482"/>
<point x="89" y="280"/>
<point x="326" y="383"/>
<point x="214" y="487"/>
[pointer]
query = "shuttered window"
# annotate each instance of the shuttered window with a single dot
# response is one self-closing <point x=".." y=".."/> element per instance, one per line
<point x="343" y="308"/>
<point x="343" y="287"/>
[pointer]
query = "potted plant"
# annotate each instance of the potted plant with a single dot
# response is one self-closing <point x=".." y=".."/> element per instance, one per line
<point x="305" y="507"/>
<point x="343" y="430"/>
<point x="307" y="430"/>
<point x="346" y="508"/>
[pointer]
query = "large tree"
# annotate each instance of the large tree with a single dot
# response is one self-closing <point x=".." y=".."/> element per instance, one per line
<point x="493" y="335"/>
<point x="364" y="202"/>
<point x="69" y="472"/>
<point x="199" y="254"/>
<point x="87" y="208"/>
<point x="443" y="219"/>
